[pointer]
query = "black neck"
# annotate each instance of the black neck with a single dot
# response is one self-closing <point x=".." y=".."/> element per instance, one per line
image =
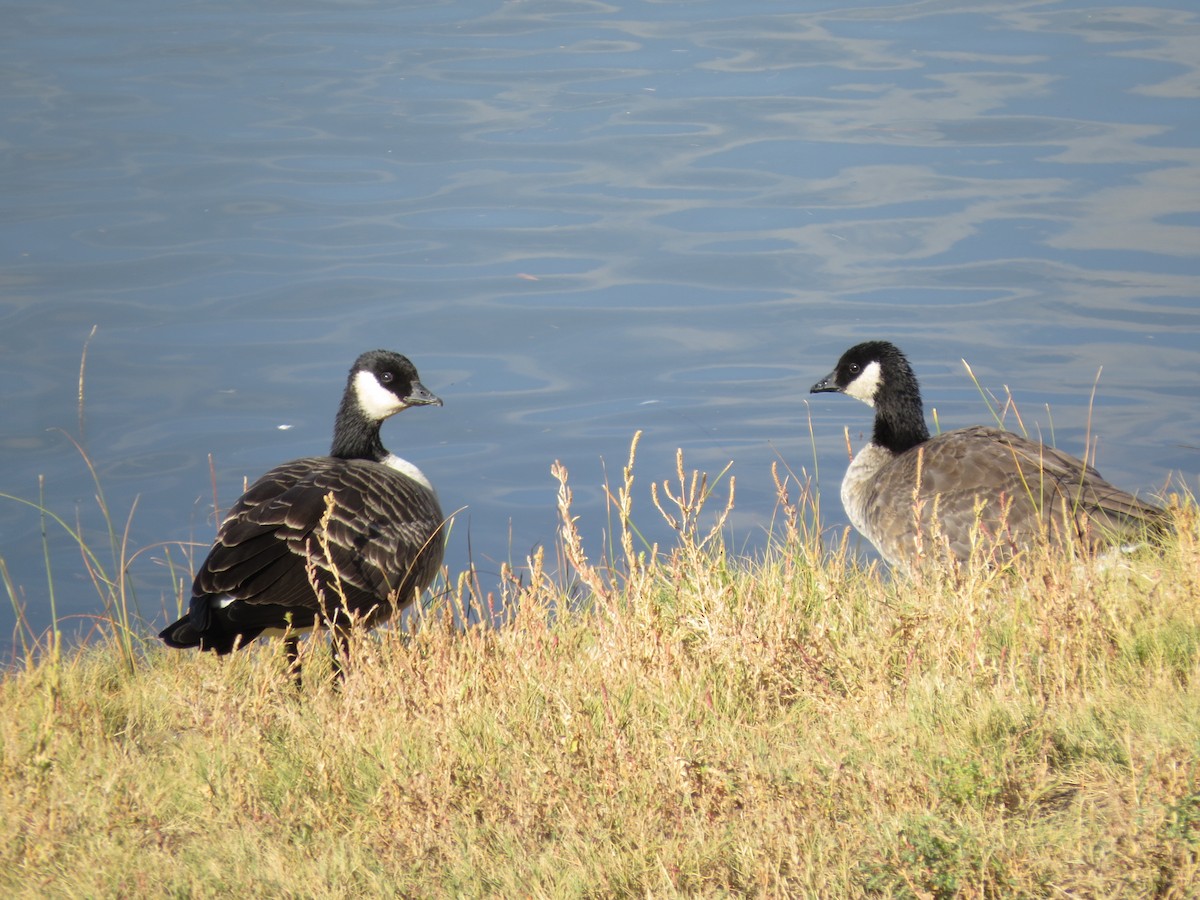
<point x="354" y="435"/>
<point x="900" y="416"/>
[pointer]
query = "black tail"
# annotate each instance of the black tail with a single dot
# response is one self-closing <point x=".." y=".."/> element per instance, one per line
<point x="181" y="634"/>
<point x="184" y="635"/>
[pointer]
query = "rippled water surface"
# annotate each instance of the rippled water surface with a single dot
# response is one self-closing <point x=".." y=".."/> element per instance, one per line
<point x="579" y="219"/>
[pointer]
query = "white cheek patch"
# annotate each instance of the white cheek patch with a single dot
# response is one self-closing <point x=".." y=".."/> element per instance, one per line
<point x="376" y="401"/>
<point x="865" y="386"/>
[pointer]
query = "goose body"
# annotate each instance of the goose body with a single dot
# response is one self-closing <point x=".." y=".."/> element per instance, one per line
<point x="348" y="538"/>
<point x="976" y="490"/>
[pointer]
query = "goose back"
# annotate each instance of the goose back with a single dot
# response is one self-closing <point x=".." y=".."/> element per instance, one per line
<point x="992" y="489"/>
<point x="380" y="546"/>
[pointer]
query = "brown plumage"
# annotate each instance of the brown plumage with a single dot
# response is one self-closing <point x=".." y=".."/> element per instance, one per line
<point x="349" y="538"/>
<point x="915" y="496"/>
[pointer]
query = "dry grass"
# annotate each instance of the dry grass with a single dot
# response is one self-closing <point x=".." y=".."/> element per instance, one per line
<point x="683" y="724"/>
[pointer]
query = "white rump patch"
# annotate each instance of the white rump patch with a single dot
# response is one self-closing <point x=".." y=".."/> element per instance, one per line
<point x="866" y="385"/>
<point x="376" y="401"/>
<point x="404" y="467"/>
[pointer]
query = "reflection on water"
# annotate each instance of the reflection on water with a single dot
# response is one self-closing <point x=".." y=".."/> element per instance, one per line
<point x="579" y="219"/>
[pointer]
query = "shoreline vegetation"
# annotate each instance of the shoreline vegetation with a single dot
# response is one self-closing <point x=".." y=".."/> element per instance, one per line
<point x="673" y="720"/>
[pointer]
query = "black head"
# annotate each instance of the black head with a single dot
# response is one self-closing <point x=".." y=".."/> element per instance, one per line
<point x="878" y="374"/>
<point x="383" y="383"/>
<point x="867" y="370"/>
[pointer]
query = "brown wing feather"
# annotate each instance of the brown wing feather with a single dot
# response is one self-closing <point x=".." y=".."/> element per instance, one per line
<point x="381" y="539"/>
<point x="1007" y="490"/>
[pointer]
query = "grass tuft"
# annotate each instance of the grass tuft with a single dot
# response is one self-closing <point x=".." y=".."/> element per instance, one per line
<point x="675" y="720"/>
<point x="664" y="720"/>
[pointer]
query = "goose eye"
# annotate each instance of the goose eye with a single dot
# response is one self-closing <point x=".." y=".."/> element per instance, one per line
<point x="386" y="377"/>
<point x="855" y="368"/>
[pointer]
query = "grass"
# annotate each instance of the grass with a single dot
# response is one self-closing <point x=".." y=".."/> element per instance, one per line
<point x="106" y="564"/>
<point x="676" y="721"/>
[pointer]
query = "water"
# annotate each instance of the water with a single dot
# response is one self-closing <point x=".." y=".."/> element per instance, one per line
<point x="579" y="219"/>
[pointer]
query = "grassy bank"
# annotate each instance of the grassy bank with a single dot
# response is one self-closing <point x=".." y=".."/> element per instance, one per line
<point x="688" y="724"/>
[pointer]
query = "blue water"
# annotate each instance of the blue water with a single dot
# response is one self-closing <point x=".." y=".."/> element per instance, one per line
<point x="579" y="219"/>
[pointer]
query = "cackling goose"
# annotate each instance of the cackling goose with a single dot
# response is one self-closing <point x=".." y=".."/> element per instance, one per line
<point x="974" y="487"/>
<point x="276" y="568"/>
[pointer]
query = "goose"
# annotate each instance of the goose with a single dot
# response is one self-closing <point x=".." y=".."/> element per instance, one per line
<point x="916" y="497"/>
<point x="324" y="541"/>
